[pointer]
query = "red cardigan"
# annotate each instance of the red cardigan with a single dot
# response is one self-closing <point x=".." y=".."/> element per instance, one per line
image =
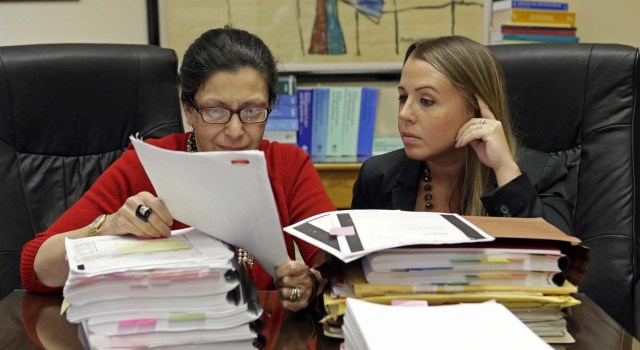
<point x="296" y="186"/>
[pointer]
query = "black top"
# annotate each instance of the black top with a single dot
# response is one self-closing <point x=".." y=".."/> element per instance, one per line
<point x="390" y="181"/>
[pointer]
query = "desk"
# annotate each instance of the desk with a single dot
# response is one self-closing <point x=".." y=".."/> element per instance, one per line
<point x="338" y="179"/>
<point x="592" y="328"/>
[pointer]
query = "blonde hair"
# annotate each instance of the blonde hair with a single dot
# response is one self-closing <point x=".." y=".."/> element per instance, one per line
<point x="474" y="70"/>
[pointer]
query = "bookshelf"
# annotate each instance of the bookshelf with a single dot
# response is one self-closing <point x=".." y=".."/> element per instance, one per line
<point x="339" y="175"/>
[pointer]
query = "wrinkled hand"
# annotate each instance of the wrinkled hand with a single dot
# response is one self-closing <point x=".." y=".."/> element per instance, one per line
<point x="125" y="221"/>
<point x="291" y="275"/>
<point x="486" y="136"/>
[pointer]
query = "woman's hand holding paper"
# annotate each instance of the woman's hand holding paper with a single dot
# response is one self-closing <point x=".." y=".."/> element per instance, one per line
<point x="296" y="284"/>
<point x="143" y="215"/>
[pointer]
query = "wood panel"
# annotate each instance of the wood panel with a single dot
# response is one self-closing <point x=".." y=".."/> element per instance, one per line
<point x="338" y="179"/>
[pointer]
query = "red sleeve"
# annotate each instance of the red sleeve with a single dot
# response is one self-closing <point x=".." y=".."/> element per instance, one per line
<point x="302" y="191"/>
<point x="124" y="178"/>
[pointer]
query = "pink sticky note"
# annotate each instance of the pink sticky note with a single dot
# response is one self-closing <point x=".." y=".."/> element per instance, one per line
<point x="409" y="303"/>
<point x="342" y="231"/>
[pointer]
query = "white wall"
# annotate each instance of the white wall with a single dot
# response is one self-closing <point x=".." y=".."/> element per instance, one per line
<point x="613" y="21"/>
<point x="90" y="21"/>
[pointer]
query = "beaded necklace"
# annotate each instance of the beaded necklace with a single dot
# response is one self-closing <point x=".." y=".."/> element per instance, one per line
<point x="244" y="257"/>
<point x="428" y="205"/>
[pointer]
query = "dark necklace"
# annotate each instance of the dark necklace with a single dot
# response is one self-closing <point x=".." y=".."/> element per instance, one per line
<point x="428" y="206"/>
<point x="191" y="143"/>
<point x="244" y="257"/>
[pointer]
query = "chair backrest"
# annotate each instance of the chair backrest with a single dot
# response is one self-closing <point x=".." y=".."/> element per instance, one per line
<point x="580" y="101"/>
<point x="66" y="112"/>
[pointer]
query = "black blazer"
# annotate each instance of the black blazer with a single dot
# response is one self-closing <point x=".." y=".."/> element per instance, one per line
<point x="390" y="181"/>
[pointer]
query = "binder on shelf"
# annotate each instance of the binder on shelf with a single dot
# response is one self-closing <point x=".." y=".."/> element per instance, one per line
<point x="284" y="136"/>
<point x="284" y="124"/>
<point x="286" y="100"/>
<point x="305" y="121"/>
<point x="284" y="112"/>
<point x="535" y="17"/>
<point x="533" y="30"/>
<point x="286" y="85"/>
<point x="530" y="5"/>
<point x="336" y="122"/>
<point x="351" y="115"/>
<point x="541" y="38"/>
<point x="369" y="101"/>
<point x="319" y="126"/>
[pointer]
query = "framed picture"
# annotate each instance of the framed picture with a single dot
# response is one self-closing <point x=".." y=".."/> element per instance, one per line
<point x="324" y="31"/>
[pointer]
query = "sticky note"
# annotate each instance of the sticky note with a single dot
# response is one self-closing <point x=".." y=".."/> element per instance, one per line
<point x="65" y="305"/>
<point x="151" y="246"/>
<point x="342" y="231"/>
<point x="396" y="302"/>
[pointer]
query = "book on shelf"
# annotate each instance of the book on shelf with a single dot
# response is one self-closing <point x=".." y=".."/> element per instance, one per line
<point x="305" y="119"/>
<point x="284" y="112"/>
<point x="535" y="17"/>
<point x="282" y="136"/>
<point x="531" y="21"/>
<point x="369" y="101"/>
<point x="533" y="30"/>
<point x="286" y="84"/>
<point x="336" y="121"/>
<point x="540" y="38"/>
<point x="282" y="124"/>
<point x="351" y="115"/>
<point x="286" y="107"/>
<point x="319" y="125"/>
<point x="386" y="137"/>
<point x="286" y="101"/>
<point x="530" y="5"/>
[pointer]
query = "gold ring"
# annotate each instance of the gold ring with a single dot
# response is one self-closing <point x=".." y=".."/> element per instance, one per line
<point x="295" y="295"/>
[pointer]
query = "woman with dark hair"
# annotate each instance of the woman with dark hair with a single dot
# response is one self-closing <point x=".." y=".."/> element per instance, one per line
<point x="228" y="79"/>
<point x="460" y="154"/>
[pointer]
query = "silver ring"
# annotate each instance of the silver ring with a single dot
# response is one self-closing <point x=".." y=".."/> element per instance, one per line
<point x="481" y="123"/>
<point x="143" y="212"/>
<point x="295" y="295"/>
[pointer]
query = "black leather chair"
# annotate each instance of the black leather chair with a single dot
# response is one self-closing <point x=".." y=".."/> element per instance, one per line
<point x="66" y="112"/>
<point x="580" y="101"/>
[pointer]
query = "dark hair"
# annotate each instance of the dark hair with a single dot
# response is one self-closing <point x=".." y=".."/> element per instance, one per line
<point x="225" y="49"/>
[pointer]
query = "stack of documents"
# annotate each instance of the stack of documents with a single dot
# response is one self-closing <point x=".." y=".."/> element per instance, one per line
<point x="463" y="326"/>
<point x="446" y="259"/>
<point x="174" y="292"/>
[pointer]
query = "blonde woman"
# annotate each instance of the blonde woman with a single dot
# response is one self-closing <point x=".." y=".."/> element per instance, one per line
<point x="460" y="154"/>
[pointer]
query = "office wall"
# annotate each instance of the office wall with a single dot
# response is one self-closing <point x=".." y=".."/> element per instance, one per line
<point x="96" y="21"/>
<point x="608" y="21"/>
<point x="125" y="21"/>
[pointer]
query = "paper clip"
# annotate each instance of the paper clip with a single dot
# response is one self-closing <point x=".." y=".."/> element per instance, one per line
<point x="239" y="161"/>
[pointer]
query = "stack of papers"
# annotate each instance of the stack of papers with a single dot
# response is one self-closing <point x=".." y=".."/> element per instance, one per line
<point x="445" y="259"/>
<point x="466" y="266"/>
<point x="185" y="290"/>
<point x="463" y="326"/>
<point x="352" y="234"/>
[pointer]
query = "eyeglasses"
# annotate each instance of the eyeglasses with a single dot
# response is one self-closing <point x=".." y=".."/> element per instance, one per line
<point x="221" y="115"/>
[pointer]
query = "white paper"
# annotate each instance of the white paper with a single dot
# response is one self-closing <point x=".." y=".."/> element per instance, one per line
<point x="92" y="256"/>
<point x="383" y="229"/>
<point x="463" y="326"/>
<point x="225" y="194"/>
